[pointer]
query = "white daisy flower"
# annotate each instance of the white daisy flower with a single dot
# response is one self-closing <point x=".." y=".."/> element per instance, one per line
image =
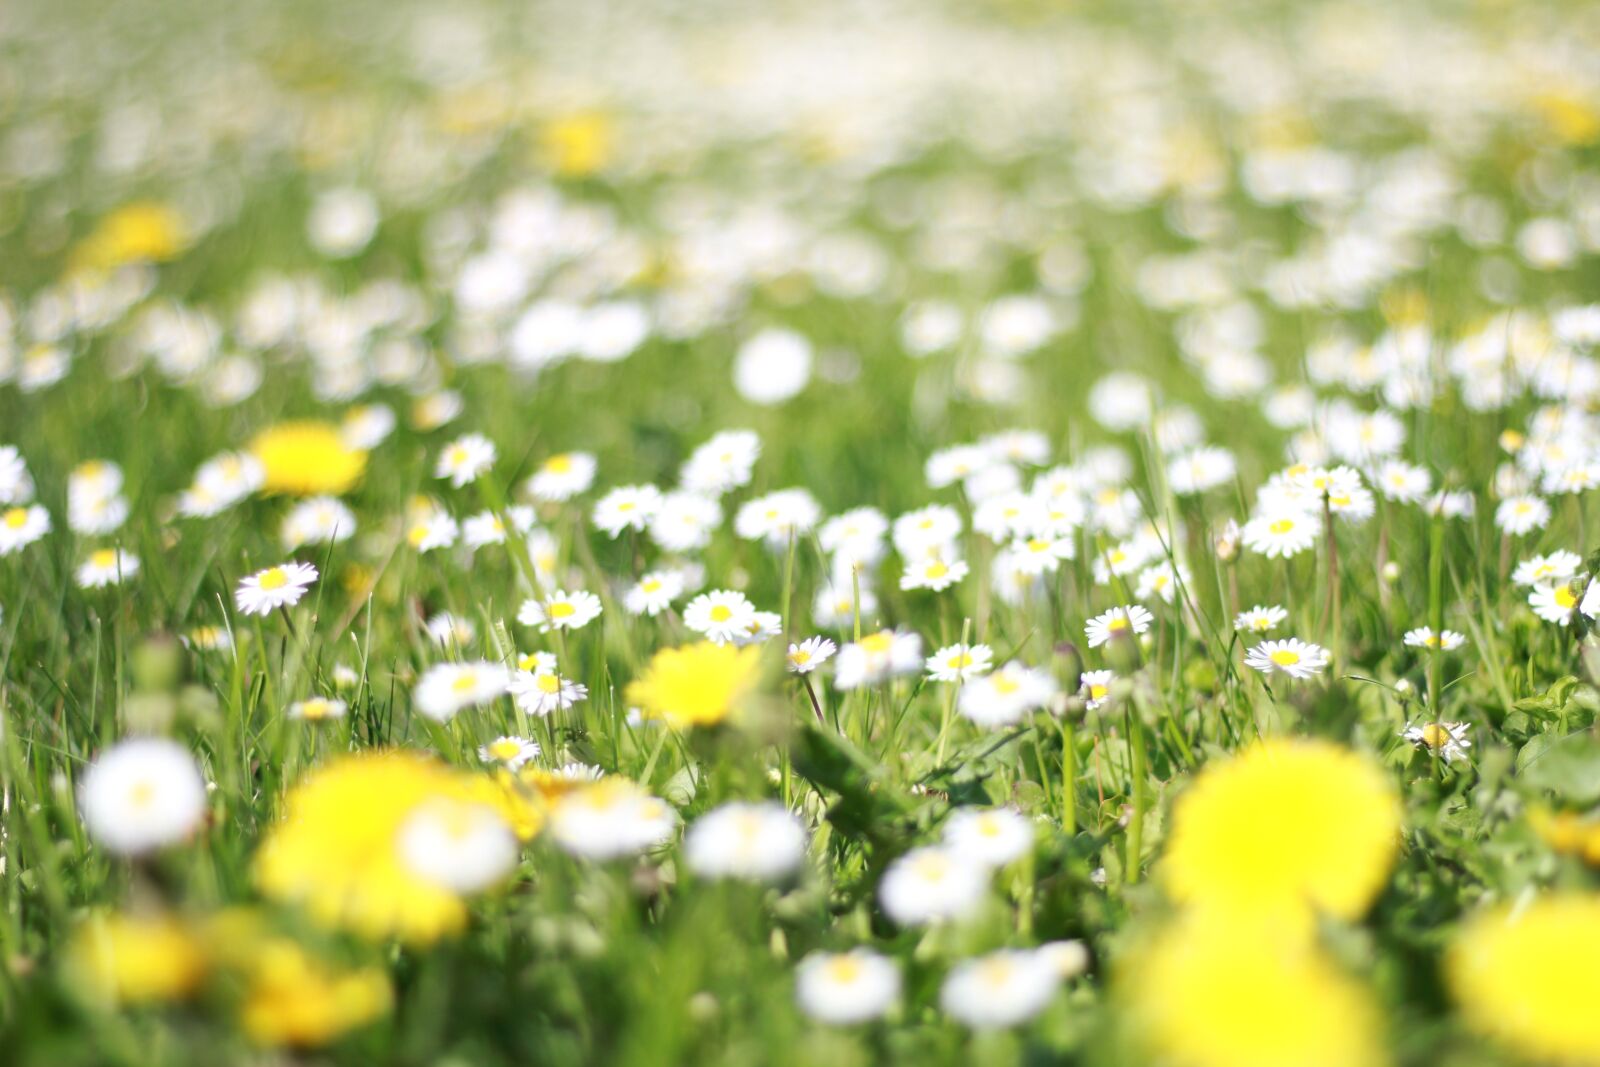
<point x="1281" y="533"/>
<point x="1519" y="515"/>
<point x="957" y="663"/>
<point x="876" y="658"/>
<point x="276" y="587"/>
<point x="1424" y="637"/>
<point x="653" y="593"/>
<point x="685" y="521"/>
<point x="364" y="428"/>
<point x="447" y="630"/>
<point x="760" y="841"/>
<point x="721" y="615"/>
<point x="318" y="709"/>
<point x="509" y="752"/>
<point x="432" y="529"/>
<point x="1558" y="566"/>
<point x="562" y="477"/>
<point x="461" y="845"/>
<point x="1006" y="696"/>
<point x="445" y="689"/>
<point x="609" y="819"/>
<point x="318" y="520"/>
<point x="465" y="459"/>
<point x="777" y="517"/>
<point x="933" y="573"/>
<point x="836" y="603"/>
<point x="141" y="794"/>
<point x="1447" y="739"/>
<point x="542" y="691"/>
<point x="1095" y="687"/>
<point x="763" y="625"/>
<point x="808" y="655"/>
<point x="994" y="837"/>
<point x="932" y="884"/>
<point x="842" y="988"/>
<point x="1553" y="602"/>
<point x="1292" y="656"/>
<point x="1005" y="988"/>
<point x="560" y="610"/>
<point x="722" y="464"/>
<point x="16" y="485"/>
<point x="107" y="566"/>
<point x="1108" y="624"/>
<point x="1260" y="619"/>
<point x="487" y="528"/>
<point x="630" y="507"/>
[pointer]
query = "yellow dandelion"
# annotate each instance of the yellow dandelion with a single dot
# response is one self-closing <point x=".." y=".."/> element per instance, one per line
<point x="307" y="458"/>
<point x="132" y="959"/>
<point x="294" y="999"/>
<point x="1527" y="977"/>
<point x="336" y="850"/>
<point x="695" y="685"/>
<point x="1282" y="830"/>
<point x="578" y="144"/>
<point x="1568" y="832"/>
<point x="145" y="231"/>
<point x="1205" y="994"/>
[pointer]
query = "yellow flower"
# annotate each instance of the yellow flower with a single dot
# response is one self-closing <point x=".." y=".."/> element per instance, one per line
<point x="1282" y="830"/>
<point x="336" y="851"/>
<point x="695" y="685"/>
<point x="307" y="458"/>
<point x="141" y="232"/>
<point x="1206" y="994"/>
<point x="1528" y="978"/>
<point x="136" y="959"/>
<point x="578" y="144"/>
<point x="294" y="999"/>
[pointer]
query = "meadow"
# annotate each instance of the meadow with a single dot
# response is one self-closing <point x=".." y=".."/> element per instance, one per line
<point x="851" y="533"/>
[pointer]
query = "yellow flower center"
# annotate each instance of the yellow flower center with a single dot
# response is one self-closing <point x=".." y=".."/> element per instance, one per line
<point x="142" y="794"/>
<point x="562" y="610"/>
<point x="558" y="464"/>
<point x="106" y="557"/>
<point x="17" y="518"/>
<point x="1117" y="624"/>
<point x="650" y="585"/>
<point x="315" y="709"/>
<point x="937" y="569"/>
<point x="799" y="657"/>
<point x="959" y="660"/>
<point x="505" y="748"/>
<point x="878" y="642"/>
<point x="464" y="682"/>
<point x="1282" y="526"/>
<point x="1285" y="657"/>
<point x="844" y="969"/>
<point x="275" y="578"/>
<point x="1434" y="735"/>
<point x="1097" y="692"/>
<point x="721" y="613"/>
<point x="1005" y="685"/>
<point x="1566" y="597"/>
<point x="548" y="683"/>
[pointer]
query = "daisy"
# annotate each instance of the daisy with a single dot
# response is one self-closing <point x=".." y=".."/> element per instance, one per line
<point x="630" y="507"/>
<point x="723" y="463"/>
<point x="1519" y="515"/>
<point x="1006" y="696"/>
<point x="1424" y="637"/>
<point x="846" y="987"/>
<point x="1095" y="687"/>
<point x="364" y="428"/>
<point x="855" y="537"/>
<point x="446" y="688"/>
<point x="721" y="615"/>
<point x="1281" y="533"/>
<point x="209" y="639"/>
<point x="463" y="846"/>
<point x="539" y="692"/>
<point x="1557" y="566"/>
<point x="318" y="709"/>
<point x="436" y="409"/>
<point x="465" y="459"/>
<point x="1108" y="624"/>
<point x="447" y="629"/>
<point x="319" y="520"/>
<point x="560" y="610"/>
<point x="1002" y="989"/>
<point x="808" y="655"/>
<point x="1294" y="657"/>
<point x="16" y="485"/>
<point x="94" y="515"/>
<point x="876" y="658"/>
<point x="932" y="884"/>
<point x="1553" y="603"/>
<point x="1202" y="469"/>
<point x="994" y="837"/>
<point x="275" y="587"/>
<point x="836" y="603"/>
<point x="610" y="818"/>
<point x="1260" y="619"/>
<point x="108" y="566"/>
<point x="431" y="529"/>
<point x="487" y="528"/>
<point x="509" y="752"/>
<point x="933" y="573"/>
<point x="1447" y="739"/>
<point x="957" y="663"/>
<point x="141" y="794"/>
<point x="761" y="841"/>
<point x="762" y="626"/>
<point x="685" y="521"/>
<point x="653" y="593"/>
<point x="562" y="477"/>
<point x="1162" y="581"/>
<point x="777" y="517"/>
<point x="1042" y="555"/>
<point x="926" y="530"/>
<point x="1403" y="482"/>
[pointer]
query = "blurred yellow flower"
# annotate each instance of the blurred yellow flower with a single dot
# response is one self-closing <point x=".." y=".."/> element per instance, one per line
<point x="136" y="959"/>
<point x="1283" y="830"/>
<point x="1568" y="832"/>
<point x="145" y="231"/>
<point x="1573" y="115"/>
<point x="294" y="999"/>
<point x="1527" y="977"/>
<point x="578" y="144"/>
<point x="337" y="853"/>
<point x="1206" y="994"/>
<point x="307" y="458"/>
<point x="695" y="685"/>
